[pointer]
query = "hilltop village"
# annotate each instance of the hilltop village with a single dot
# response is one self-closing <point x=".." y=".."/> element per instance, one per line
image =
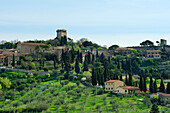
<point x="60" y="75"/>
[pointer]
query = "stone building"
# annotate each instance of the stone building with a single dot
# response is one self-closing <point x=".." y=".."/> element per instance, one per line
<point x="27" y="47"/>
<point x="128" y="90"/>
<point x="61" y="33"/>
<point x="151" y="54"/>
<point x="112" y="85"/>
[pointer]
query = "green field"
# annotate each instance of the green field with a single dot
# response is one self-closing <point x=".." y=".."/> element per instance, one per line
<point x="76" y="99"/>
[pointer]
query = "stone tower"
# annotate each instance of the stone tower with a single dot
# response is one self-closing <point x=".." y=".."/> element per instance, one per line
<point x="61" y="33"/>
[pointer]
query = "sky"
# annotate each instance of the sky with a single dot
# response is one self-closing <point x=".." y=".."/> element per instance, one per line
<point x="106" y="22"/>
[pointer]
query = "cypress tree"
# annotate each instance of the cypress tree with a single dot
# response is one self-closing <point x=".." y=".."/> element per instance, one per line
<point x="77" y="68"/>
<point x="155" y="87"/>
<point x="97" y="54"/>
<point x="54" y="62"/>
<point x="141" y="83"/>
<point x="67" y="61"/>
<point x="93" y="59"/>
<point x="126" y="80"/>
<point x="85" y="64"/>
<point x="144" y="84"/>
<point x="151" y="85"/>
<point x="101" y="77"/>
<point x="98" y="77"/>
<point x="94" y="77"/>
<point x="78" y="55"/>
<point x="168" y="88"/>
<point x="154" y="108"/>
<point x="130" y="74"/>
<point x="121" y="78"/>
<point x="80" y="58"/>
<point x="162" y="87"/>
<point x="136" y="84"/>
<point x="102" y="58"/>
<point x="106" y="74"/>
<point x="89" y="58"/>
<point x="13" y="62"/>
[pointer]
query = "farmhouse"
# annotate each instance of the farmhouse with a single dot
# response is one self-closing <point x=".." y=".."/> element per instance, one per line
<point x="128" y="90"/>
<point x="112" y="85"/>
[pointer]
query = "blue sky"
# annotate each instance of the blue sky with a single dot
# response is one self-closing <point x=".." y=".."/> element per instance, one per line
<point x="106" y="22"/>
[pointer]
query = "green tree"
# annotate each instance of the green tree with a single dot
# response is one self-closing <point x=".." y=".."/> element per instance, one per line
<point x="85" y="64"/>
<point x="168" y="88"/>
<point x="106" y="74"/>
<point x="6" y="82"/>
<point x="31" y="65"/>
<point x="141" y="83"/>
<point x="94" y="77"/>
<point x="155" y="87"/>
<point x="151" y="85"/>
<point x="77" y="68"/>
<point x="67" y="61"/>
<point x="162" y="86"/>
<point x="154" y="108"/>
<point x="130" y="74"/>
<point x="13" y="61"/>
<point x="113" y="47"/>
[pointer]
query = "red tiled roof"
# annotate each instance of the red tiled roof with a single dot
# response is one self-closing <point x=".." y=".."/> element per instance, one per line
<point x="164" y="94"/>
<point x="129" y="87"/>
<point x="112" y="80"/>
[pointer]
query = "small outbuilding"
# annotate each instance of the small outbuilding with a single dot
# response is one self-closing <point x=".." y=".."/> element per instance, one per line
<point x="128" y="90"/>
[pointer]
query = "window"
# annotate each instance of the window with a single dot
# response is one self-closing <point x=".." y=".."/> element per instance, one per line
<point x="125" y="90"/>
<point x="106" y="83"/>
<point x="117" y="90"/>
<point x="109" y="88"/>
<point x="106" y="88"/>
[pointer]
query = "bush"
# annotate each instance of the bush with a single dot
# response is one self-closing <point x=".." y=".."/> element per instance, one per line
<point x="45" y="69"/>
<point x="100" y="91"/>
<point x="3" y="69"/>
<point x="94" y="102"/>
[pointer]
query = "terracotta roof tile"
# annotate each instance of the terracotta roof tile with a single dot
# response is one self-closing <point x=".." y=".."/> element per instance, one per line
<point x="129" y="87"/>
<point x="112" y="80"/>
<point x="32" y="44"/>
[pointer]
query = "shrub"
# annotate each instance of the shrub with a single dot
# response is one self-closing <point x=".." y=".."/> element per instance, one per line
<point x="94" y="102"/>
<point x="78" y="83"/>
<point x="45" y="69"/>
<point x="22" y="93"/>
<point x="3" y="69"/>
<point x="73" y="107"/>
<point x="100" y="91"/>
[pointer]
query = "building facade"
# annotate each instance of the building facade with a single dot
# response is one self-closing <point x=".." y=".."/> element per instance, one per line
<point x="151" y="54"/>
<point x="112" y="85"/>
<point x="61" y="33"/>
<point x="27" y="47"/>
<point x="128" y="90"/>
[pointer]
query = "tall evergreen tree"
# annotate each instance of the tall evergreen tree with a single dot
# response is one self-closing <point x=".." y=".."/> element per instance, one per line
<point x="77" y="68"/>
<point x="121" y="77"/>
<point x="67" y="61"/>
<point x="106" y="73"/>
<point x="141" y="83"/>
<point x="126" y="80"/>
<point x="151" y="85"/>
<point x="130" y="74"/>
<point x="54" y="62"/>
<point x="80" y="58"/>
<point x="85" y="64"/>
<point x="13" y="61"/>
<point x="144" y="84"/>
<point x="155" y="87"/>
<point x="102" y="58"/>
<point x="168" y="88"/>
<point x="89" y="58"/>
<point x="101" y="77"/>
<point x="72" y="56"/>
<point x="98" y="76"/>
<point x="94" y="77"/>
<point x="162" y="86"/>
<point x="93" y="59"/>
<point x="136" y="84"/>
<point x="97" y="54"/>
